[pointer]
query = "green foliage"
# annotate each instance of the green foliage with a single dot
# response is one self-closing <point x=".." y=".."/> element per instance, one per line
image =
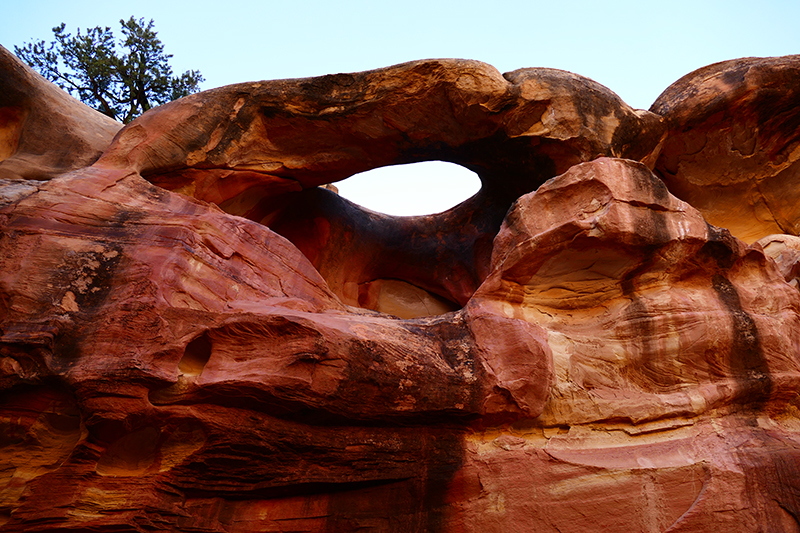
<point x="121" y="79"/>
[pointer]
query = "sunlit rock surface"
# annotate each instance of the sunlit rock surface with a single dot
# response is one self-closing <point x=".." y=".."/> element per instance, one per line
<point x="196" y="336"/>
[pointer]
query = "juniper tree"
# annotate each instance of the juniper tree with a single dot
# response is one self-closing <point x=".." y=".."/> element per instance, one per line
<point x="121" y="78"/>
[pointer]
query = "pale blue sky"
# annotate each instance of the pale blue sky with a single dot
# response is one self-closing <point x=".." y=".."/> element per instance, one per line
<point x="635" y="48"/>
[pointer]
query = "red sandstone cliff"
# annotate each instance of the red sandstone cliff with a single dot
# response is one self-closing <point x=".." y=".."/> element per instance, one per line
<point x="194" y="336"/>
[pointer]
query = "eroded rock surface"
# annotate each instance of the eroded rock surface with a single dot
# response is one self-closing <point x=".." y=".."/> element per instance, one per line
<point x="733" y="149"/>
<point x="636" y="288"/>
<point x="195" y="336"/>
<point x="260" y="150"/>
<point x="43" y="131"/>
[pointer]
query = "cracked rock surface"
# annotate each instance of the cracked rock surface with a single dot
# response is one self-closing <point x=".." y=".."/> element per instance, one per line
<point x="196" y="336"/>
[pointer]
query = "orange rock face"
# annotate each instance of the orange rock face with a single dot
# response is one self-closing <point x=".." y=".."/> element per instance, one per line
<point x="733" y="149"/>
<point x="195" y="336"/>
<point x="45" y="132"/>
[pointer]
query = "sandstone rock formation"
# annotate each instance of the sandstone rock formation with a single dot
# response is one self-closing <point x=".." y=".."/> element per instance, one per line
<point x="733" y="149"/>
<point x="196" y="336"/>
<point x="43" y="131"/>
<point x="255" y="156"/>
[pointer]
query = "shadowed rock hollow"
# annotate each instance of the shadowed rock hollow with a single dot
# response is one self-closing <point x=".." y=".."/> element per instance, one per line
<point x="196" y="336"/>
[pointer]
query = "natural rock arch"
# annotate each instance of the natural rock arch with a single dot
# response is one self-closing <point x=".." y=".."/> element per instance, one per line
<point x="260" y="150"/>
<point x="169" y="361"/>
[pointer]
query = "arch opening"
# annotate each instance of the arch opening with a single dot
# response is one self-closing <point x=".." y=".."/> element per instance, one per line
<point x="412" y="189"/>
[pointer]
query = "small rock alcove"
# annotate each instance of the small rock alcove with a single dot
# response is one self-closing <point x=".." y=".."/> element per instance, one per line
<point x="416" y="189"/>
<point x="394" y="262"/>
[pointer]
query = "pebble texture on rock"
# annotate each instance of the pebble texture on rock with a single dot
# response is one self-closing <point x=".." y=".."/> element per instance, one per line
<point x="196" y="336"/>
